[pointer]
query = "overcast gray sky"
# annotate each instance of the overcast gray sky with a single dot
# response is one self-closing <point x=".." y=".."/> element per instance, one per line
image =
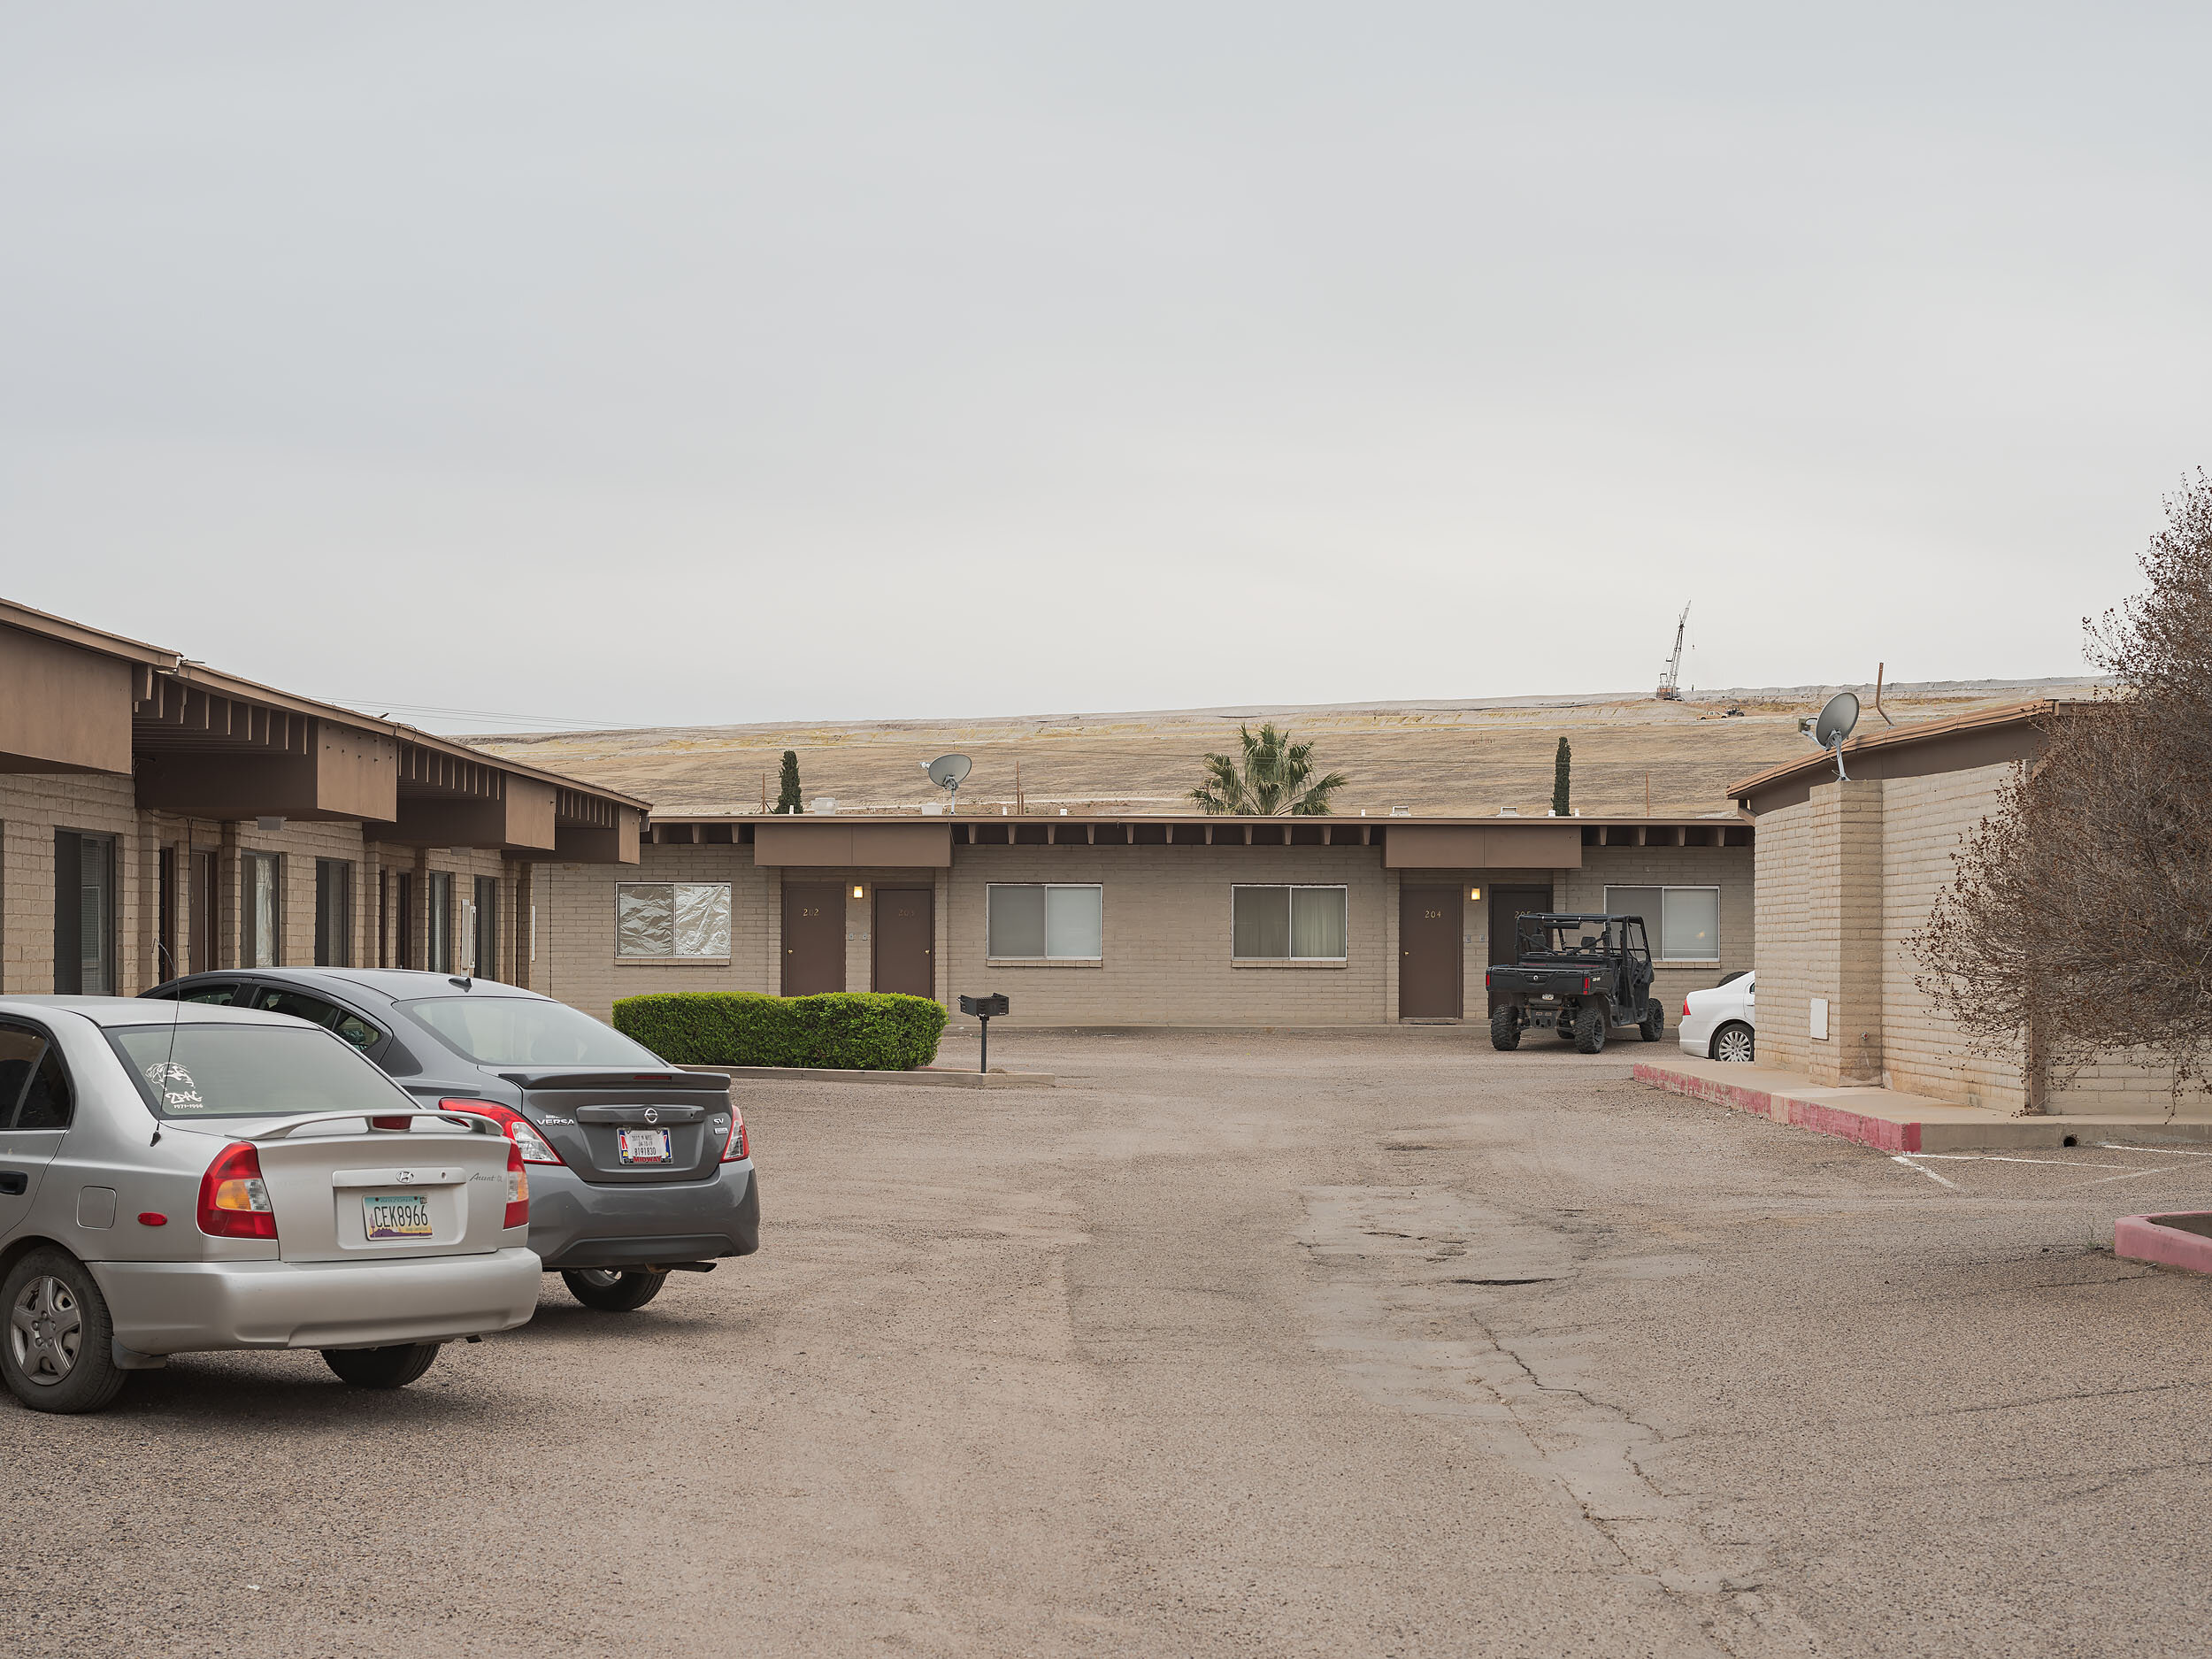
<point x="722" y="362"/>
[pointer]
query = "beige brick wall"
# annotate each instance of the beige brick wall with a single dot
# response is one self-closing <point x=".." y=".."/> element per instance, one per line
<point x="1845" y="882"/>
<point x="34" y="805"/>
<point x="1166" y="929"/>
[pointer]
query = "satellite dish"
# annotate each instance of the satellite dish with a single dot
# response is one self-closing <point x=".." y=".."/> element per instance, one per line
<point x="946" y="772"/>
<point x="1835" y="719"/>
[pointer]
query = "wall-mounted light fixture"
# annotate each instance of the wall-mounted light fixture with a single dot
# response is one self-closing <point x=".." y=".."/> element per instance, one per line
<point x="1474" y="893"/>
<point x="857" y="893"/>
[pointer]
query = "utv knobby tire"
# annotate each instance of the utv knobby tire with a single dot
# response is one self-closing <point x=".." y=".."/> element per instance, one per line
<point x="613" y="1291"/>
<point x="1589" y="1029"/>
<point x="1654" y="1022"/>
<point x="60" y="1355"/>
<point x="1505" y="1031"/>
<point x="381" y="1367"/>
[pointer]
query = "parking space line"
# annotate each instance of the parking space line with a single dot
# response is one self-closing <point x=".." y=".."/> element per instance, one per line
<point x="2163" y="1152"/>
<point x="1898" y="1158"/>
<point x="1994" y="1157"/>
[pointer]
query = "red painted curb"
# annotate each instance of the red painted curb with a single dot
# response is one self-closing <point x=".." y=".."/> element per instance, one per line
<point x="2155" y="1239"/>
<point x="1879" y="1133"/>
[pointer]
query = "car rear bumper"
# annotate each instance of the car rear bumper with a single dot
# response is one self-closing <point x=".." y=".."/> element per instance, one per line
<point x="187" y="1307"/>
<point x="574" y="1224"/>
<point x="1696" y="1031"/>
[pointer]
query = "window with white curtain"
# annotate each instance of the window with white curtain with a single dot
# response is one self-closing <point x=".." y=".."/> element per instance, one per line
<point x="671" y="919"/>
<point x="1684" y="923"/>
<point x="1045" y="921"/>
<point x="1287" y="924"/>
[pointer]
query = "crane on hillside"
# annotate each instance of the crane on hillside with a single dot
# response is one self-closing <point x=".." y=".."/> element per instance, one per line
<point x="1671" y="683"/>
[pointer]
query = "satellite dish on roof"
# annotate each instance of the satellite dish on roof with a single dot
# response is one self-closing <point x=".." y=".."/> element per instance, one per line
<point x="947" y="772"/>
<point x="1837" y="718"/>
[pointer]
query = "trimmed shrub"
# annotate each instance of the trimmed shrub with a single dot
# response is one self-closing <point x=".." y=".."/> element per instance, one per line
<point x="849" y="1031"/>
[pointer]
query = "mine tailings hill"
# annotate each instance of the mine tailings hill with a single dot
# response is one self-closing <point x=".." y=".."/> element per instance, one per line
<point x="1430" y="757"/>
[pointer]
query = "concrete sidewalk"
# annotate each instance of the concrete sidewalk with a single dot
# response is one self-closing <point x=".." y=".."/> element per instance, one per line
<point x="1893" y="1121"/>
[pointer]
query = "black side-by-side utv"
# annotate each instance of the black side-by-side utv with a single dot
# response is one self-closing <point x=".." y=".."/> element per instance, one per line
<point x="1581" y="975"/>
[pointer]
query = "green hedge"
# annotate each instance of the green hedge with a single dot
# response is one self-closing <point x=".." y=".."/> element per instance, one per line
<point x="850" y="1031"/>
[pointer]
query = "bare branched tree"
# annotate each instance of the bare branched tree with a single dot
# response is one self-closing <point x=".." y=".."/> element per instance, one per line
<point x="2078" y="922"/>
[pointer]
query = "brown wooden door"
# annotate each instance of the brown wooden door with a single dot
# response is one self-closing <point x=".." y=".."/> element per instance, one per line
<point x="1508" y="905"/>
<point x="1428" y="953"/>
<point x="813" y="940"/>
<point x="906" y="941"/>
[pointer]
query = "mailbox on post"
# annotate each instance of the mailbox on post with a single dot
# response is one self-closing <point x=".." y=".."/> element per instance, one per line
<point x="983" y="1008"/>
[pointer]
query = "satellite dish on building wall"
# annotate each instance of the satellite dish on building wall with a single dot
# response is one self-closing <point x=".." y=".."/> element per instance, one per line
<point x="947" y="772"/>
<point x="1837" y="718"/>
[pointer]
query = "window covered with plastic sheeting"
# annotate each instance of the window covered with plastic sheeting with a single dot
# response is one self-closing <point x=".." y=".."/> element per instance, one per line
<point x="672" y="918"/>
<point x="702" y="918"/>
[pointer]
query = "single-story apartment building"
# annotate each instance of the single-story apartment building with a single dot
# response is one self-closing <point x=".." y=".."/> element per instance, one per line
<point x="158" y="816"/>
<point x="1135" y="920"/>
<point x="1847" y="872"/>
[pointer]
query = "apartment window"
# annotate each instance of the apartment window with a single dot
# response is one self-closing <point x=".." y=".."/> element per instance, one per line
<point x="404" y="921"/>
<point x="671" y="919"/>
<point x="487" y="927"/>
<point x="441" y="928"/>
<point x="84" y="914"/>
<point x="1046" y="923"/>
<point x="1684" y="922"/>
<point x="261" y="908"/>
<point x="1287" y="924"/>
<point x="333" y="913"/>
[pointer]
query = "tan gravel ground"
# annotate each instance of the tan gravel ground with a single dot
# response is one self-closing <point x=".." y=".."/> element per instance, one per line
<point x="1345" y="1345"/>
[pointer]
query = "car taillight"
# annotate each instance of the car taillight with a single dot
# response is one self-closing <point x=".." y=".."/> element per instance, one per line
<point x="1685" y="1008"/>
<point x="535" y="1148"/>
<point x="1586" y="985"/>
<point x="518" y="1190"/>
<point x="734" y="1145"/>
<point x="1486" y="981"/>
<point x="234" y="1198"/>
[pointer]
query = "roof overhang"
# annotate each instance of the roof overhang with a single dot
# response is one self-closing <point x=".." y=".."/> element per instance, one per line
<point x="1988" y="737"/>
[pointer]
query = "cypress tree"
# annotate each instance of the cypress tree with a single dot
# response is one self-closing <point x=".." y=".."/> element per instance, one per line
<point x="787" y="783"/>
<point x="1562" y="767"/>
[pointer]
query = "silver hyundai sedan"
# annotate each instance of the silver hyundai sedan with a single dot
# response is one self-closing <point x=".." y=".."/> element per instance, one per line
<point x="177" y="1178"/>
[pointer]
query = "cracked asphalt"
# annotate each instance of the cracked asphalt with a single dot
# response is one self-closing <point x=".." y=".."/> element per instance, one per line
<point x="1374" y="1343"/>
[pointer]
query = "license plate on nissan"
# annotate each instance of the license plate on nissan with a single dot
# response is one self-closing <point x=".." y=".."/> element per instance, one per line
<point x="643" y="1146"/>
<point x="395" y="1215"/>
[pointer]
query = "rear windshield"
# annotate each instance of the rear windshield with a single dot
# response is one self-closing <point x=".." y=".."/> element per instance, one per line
<point x="194" y="1070"/>
<point x="526" y="1030"/>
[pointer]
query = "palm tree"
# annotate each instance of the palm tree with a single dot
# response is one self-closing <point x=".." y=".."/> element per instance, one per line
<point x="1273" y="778"/>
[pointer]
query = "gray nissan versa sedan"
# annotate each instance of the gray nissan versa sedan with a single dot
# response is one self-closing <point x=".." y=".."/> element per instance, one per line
<point x="636" y="1166"/>
<point x="174" y="1180"/>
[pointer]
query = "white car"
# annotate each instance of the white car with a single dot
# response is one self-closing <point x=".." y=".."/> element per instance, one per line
<point x="1720" y="1023"/>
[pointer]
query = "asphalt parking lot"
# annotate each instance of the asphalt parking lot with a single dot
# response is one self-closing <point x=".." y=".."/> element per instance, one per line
<point x="1366" y="1344"/>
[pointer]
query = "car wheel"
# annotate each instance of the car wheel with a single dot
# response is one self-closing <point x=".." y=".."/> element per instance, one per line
<point x="1589" y="1031"/>
<point x="612" y="1292"/>
<point x="1654" y="1026"/>
<point x="381" y="1367"/>
<point x="1733" y="1041"/>
<point x="58" y="1352"/>
<point x="1505" y="1031"/>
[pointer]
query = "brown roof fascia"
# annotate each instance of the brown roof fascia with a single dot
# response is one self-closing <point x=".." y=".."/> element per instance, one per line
<point x="15" y="615"/>
<point x="230" y="685"/>
<point x="1455" y="821"/>
<point x="1981" y="720"/>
